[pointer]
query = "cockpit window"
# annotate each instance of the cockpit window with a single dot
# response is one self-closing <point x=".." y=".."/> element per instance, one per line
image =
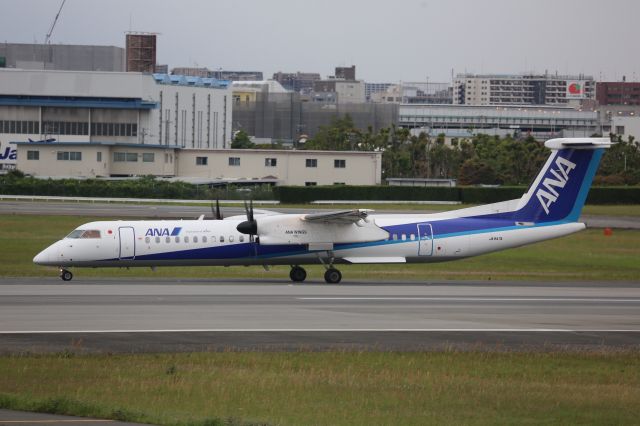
<point x="84" y="233"/>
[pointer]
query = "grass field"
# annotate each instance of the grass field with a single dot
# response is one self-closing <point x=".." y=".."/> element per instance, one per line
<point x="329" y="388"/>
<point x="588" y="255"/>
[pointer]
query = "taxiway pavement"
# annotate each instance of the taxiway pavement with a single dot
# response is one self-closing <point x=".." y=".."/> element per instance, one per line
<point x="44" y="315"/>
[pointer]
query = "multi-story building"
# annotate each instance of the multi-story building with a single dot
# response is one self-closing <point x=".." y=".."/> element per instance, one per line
<point x="70" y="57"/>
<point x="346" y="91"/>
<point x="114" y="108"/>
<point x="541" y="122"/>
<point x="119" y="124"/>
<point x="618" y="93"/>
<point x="522" y="89"/>
<point x="346" y="73"/>
<point x="371" y="88"/>
<point x="298" y="81"/>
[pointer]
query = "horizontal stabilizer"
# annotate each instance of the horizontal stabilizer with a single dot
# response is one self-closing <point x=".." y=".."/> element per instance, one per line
<point x="578" y="143"/>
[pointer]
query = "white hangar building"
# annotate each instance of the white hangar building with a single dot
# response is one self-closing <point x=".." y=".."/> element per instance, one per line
<point x="114" y="124"/>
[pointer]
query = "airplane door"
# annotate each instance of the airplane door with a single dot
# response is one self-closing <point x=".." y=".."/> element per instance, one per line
<point x="425" y="237"/>
<point x="127" y="243"/>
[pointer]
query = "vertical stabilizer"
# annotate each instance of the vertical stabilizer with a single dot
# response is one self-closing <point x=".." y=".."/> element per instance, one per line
<point x="560" y="189"/>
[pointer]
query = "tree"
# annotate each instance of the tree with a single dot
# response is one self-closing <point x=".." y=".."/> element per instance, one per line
<point x="474" y="172"/>
<point x="241" y="140"/>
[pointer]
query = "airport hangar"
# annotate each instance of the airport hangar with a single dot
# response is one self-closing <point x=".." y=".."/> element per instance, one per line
<point x="85" y="124"/>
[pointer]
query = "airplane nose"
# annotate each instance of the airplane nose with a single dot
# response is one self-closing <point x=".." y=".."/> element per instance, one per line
<point x="43" y="258"/>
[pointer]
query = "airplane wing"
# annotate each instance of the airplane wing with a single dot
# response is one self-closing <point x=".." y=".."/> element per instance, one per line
<point x="340" y="216"/>
<point x="325" y="229"/>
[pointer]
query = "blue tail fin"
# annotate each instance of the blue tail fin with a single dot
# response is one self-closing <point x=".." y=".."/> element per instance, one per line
<point x="560" y="189"/>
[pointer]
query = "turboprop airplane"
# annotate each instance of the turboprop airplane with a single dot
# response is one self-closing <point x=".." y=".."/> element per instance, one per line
<point x="549" y="209"/>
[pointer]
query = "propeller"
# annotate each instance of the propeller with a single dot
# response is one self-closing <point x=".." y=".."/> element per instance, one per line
<point x="249" y="226"/>
<point x="217" y="214"/>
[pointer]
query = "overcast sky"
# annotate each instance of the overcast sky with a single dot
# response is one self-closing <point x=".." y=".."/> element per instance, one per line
<point x="388" y="41"/>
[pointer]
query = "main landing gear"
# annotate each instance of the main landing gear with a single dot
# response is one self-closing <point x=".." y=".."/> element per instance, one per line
<point x="65" y="275"/>
<point x="297" y="274"/>
<point x="331" y="275"/>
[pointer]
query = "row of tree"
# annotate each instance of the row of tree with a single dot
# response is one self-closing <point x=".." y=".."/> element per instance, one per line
<point x="480" y="160"/>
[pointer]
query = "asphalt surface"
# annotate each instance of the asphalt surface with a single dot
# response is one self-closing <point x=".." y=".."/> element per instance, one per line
<point x="184" y="212"/>
<point x="22" y="418"/>
<point x="44" y="315"/>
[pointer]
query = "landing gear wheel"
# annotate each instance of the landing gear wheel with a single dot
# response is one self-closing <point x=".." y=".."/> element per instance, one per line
<point x="332" y="276"/>
<point x="298" y="274"/>
<point x="66" y="275"/>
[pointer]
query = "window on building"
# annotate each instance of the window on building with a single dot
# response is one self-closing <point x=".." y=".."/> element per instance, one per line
<point x="310" y="183"/>
<point x="339" y="164"/>
<point x="132" y="157"/>
<point x="202" y="161"/>
<point x="270" y="162"/>
<point x="619" y="130"/>
<point x="119" y="157"/>
<point x="148" y="157"/>
<point x="69" y="156"/>
<point x="99" y="156"/>
<point x="311" y="162"/>
<point x="234" y="161"/>
<point x="33" y="155"/>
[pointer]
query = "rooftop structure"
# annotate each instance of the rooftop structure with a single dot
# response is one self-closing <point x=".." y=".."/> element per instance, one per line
<point x="70" y="57"/>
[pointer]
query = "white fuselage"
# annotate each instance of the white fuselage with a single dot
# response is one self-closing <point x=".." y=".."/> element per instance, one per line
<point x="217" y="242"/>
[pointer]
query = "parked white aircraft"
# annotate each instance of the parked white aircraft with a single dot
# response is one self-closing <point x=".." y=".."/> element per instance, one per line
<point x="549" y="209"/>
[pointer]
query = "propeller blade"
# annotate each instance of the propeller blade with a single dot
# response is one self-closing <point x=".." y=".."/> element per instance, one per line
<point x="218" y="212"/>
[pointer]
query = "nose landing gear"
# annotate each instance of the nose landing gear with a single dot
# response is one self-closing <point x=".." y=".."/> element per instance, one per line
<point x="65" y="275"/>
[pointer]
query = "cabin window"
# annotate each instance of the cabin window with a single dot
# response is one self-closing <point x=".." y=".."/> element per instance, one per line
<point x="241" y="238"/>
<point x="221" y="239"/>
<point x="395" y="237"/>
<point x="177" y="239"/>
<point x="204" y="238"/>
<point x="230" y="238"/>
<point x="157" y="240"/>
<point x="186" y="239"/>
<point x="167" y="240"/>
<point x="147" y="240"/>
<point x="213" y="238"/>
<point x="404" y="237"/>
<point x="195" y="239"/>
<point x="412" y="237"/>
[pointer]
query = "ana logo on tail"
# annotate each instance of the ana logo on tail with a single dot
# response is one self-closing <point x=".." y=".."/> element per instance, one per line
<point x="550" y="195"/>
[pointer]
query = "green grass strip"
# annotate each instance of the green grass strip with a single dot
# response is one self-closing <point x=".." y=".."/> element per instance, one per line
<point x="331" y="388"/>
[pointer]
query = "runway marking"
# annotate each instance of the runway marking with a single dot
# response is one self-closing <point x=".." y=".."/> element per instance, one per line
<point x="478" y="299"/>
<point x="56" y="421"/>
<point x="321" y="330"/>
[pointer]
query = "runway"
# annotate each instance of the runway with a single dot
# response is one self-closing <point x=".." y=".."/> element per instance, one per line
<point x="43" y="315"/>
<point x="168" y="211"/>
